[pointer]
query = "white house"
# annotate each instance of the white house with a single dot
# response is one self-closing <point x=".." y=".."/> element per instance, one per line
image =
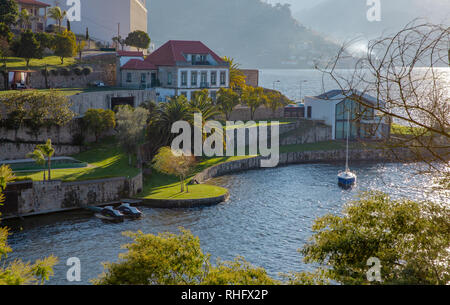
<point x="178" y="68"/>
<point x="336" y="107"/>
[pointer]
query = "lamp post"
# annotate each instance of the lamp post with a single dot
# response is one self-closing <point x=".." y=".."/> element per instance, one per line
<point x="277" y="81"/>
<point x="301" y="87"/>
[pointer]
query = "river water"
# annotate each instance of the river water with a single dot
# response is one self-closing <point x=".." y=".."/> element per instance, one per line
<point x="267" y="219"/>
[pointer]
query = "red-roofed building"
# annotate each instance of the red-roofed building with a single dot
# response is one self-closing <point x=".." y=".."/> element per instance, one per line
<point x="38" y="14"/>
<point x="178" y="68"/>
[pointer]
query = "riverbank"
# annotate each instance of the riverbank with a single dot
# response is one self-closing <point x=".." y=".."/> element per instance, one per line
<point x="164" y="191"/>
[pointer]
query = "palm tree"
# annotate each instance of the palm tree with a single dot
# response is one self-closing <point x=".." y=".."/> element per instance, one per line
<point x="57" y="14"/>
<point x="48" y="151"/>
<point x="237" y="78"/>
<point x="6" y="176"/>
<point x="24" y="19"/>
<point x="38" y="156"/>
<point x="176" y="109"/>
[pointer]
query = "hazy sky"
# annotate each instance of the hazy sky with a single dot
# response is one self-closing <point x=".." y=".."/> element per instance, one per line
<point x="297" y="5"/>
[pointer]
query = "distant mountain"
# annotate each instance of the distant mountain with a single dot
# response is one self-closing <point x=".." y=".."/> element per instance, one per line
<point x="255" y="33"/>
<point x="346" y="19"/>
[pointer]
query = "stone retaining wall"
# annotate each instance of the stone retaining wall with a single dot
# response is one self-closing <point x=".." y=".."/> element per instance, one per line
<point x="55" y="196"/>
<point x="301" y="157"/>
<point x="11" y="151"/>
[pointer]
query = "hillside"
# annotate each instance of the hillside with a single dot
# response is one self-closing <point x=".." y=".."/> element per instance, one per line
<point x="346" y="19"/>
<point x="256" y="34"/>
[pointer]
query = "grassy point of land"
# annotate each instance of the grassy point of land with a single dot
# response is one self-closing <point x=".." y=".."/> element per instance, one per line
<point x="106" y="160"/>
<point x="160" y="186"/>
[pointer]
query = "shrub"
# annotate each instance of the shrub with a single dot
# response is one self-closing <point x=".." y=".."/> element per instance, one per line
<point x="78" y="70"/>
<point x="87" y="70"/>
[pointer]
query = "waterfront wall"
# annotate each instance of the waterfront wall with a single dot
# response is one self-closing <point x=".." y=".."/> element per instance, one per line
<point x="302" y="157"/>
<point x="54" y="196"/>
<point x="12" y="151"/>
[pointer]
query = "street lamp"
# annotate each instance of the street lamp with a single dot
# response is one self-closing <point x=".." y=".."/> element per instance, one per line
<point x="301" y="87"/>
<point x="277" y="81"/>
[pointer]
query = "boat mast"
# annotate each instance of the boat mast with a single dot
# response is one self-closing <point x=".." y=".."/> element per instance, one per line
<point x="348" y="132"/>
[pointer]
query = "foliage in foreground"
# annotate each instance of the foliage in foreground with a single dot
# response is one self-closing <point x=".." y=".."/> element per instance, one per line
<point x="170" y="259"/>
<point x="19" y="272"/>
<point x="411" y="240"/>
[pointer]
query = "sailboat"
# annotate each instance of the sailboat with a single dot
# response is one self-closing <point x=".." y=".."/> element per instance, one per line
<point x="347" y="179"/>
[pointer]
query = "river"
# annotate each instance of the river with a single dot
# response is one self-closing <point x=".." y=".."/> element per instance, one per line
<point x="267" y="218"/>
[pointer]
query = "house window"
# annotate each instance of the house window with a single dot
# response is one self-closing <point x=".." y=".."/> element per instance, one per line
<point x="193" y="59"/>
<point x="309" y="112"/>
<point x="143" y="78"/>
<point x="184" y="93"/>
<point x="223" y="77"/>
<point x="204" y="79"/>
<point x="214" y="78"/>
<point x="129" y="77"/>
<point x="184" y="78"/>
<point x="193" y="78"/>
<point x="169" y="78"/>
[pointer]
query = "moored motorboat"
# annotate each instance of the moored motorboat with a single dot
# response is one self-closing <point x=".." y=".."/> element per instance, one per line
<point x="109" y="214"/>
<point x="128" y="211"/>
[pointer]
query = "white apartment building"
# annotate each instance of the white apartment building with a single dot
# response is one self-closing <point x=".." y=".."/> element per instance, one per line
<point x="105" y="18"/>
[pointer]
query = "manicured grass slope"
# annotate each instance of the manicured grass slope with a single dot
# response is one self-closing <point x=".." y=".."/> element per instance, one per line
<point x="36" y="64"/>
<point x="160" y="186"/>
<point x="105" y="161"/>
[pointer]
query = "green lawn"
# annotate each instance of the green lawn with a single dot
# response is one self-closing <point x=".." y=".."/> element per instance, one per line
<point x="401" y="130"/>
<point x="160" y="186"/>
<point x="37" y="64"/>
<point x="105" y="160"/>
<point x="323" y="146"/>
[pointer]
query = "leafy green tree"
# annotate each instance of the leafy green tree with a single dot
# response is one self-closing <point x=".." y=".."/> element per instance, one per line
<point x="131" y="126"/>
<point x="237" y="77"/>
<point x="9" y="12"/>
<point x="170" y="259"/>
<point x="253" y="98"/>
<point x="5" y="32"/>
<point x="237" y="272"/>
<point x="47" y="151"/>
<point x="18" y="272"/>
<point x="65" y="45"/>
<point x="118" y="40"/>
<point x="27" y="47"/>
<point x="46" y="41"/>
<point x="227" y="100"/>
<point x="24" y="19"/>
<point x="57" y="14"/>
<point x="99" y="120"/>
<point x="5" y="52"/>
<point x="275" y="100"/>
<point x="168" y="163"/>
<point x="409" y="238"/>
<point x="138" y="39"/>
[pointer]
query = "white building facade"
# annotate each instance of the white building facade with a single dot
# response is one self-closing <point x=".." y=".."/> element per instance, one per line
<point x="178" y="68"/>
<point x="340" y="110"/>
<point x="105" y="19"/>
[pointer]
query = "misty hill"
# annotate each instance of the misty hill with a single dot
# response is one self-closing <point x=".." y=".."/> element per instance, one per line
<point x="256" y="34"/>
<point x="346" y="19"/>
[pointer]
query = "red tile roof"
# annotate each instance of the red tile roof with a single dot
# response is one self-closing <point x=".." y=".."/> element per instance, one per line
<point x="34" y="2"/>
<point x="130" y="53"/>
<point x="137" y="64"/>
<point x="172" y="52"/>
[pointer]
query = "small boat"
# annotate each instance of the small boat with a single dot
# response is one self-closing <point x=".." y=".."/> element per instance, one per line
<point x="128" y="211"/>
<point x="109" y="214"/>
<point x="347" y="179"/>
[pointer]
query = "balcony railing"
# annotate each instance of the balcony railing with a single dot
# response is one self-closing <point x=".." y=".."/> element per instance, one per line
<point x="205" y="85"/>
